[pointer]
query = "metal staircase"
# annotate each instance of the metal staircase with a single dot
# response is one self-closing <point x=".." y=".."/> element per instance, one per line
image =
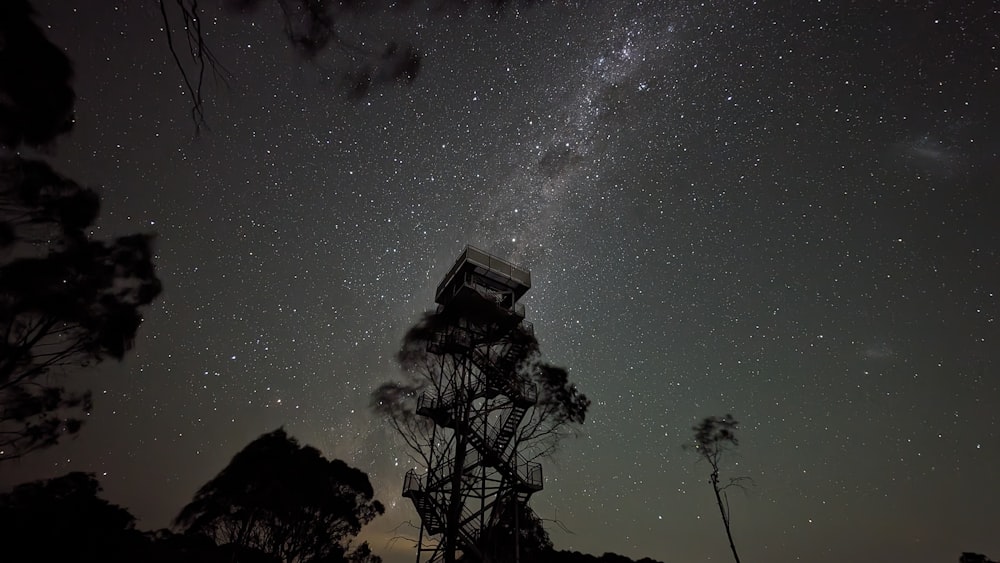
<point x="433" y="511"/>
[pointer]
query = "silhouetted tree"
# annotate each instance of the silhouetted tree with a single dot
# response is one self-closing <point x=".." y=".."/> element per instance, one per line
<point x="286" y="501"/>
<point x="713" y="437"/>
<point x="970" y="557"/>
<point x="63" y="519"/>
<point x="66" y="301"/>
<point x="559" y="408"/>
<point x="363" y="554"/>
<point x="36" y="99"/>
<point x="443" y="356"/>
<point x="165" y="546"/>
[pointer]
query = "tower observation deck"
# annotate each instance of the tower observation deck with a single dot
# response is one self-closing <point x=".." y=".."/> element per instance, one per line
<point x="478" y="274"/>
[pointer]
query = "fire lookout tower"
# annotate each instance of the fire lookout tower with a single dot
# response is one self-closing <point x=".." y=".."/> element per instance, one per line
<point x="477" y="400"/>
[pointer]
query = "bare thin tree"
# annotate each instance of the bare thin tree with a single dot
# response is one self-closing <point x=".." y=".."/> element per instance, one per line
<point x="713" y="437"/>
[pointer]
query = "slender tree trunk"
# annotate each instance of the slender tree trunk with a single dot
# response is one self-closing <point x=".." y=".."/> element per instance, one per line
<point x="724" y="513"/>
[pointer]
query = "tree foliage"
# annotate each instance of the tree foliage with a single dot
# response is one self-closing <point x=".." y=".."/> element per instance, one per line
<point x="713" y="436"/>
<point x="64" y="520"/>
<point x="284" y="500"/>
<point x="559" y="406"/>
<point x="36" y="98"/>
<point x="66" y="300"/>
<point x="473" y="381"/>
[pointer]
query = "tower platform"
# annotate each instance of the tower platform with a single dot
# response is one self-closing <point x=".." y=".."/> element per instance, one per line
<point x="479" y="274"/>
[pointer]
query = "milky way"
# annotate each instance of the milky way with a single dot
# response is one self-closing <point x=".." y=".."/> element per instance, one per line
<point x="562" y="154"/>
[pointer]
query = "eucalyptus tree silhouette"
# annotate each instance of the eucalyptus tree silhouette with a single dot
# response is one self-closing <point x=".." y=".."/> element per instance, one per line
<point x="286" y="501"/>
<point x="66" y="300"/>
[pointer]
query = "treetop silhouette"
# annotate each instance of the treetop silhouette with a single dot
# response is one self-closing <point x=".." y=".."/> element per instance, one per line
<point x="285" y="500"/>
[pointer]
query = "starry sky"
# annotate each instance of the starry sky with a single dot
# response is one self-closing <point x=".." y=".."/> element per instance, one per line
<point x="783" y="211"/>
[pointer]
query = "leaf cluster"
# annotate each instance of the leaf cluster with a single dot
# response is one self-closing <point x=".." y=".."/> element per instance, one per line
<point x="65" y="300"/>
<point x="435" y="357"/>
<point x="713" y="436"/>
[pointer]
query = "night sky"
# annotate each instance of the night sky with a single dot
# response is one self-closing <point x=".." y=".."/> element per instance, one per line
<point x="783" y="211"/>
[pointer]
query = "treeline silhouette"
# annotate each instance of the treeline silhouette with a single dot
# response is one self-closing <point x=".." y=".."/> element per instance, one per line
<point x="64" y="519"/>
<point x="276" y="502"/>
